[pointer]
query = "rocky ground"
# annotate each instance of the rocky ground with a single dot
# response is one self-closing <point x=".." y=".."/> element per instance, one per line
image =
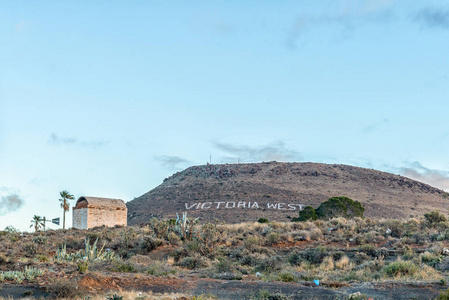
<point x="235" y="193"/>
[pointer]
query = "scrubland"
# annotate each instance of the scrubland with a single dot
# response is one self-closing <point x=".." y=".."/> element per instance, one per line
<point x="130" y="262"/>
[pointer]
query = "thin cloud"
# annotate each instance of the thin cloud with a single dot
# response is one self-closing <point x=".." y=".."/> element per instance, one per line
<point x="173" y="162"/>
<point x="343" y="22"/>
<point x="433" y="17"/>
<point x="436" y="178"/>
<point x="276" y="151"/>
<point x="377" y="126"/>
<point x="10" y="203"/>
<point x="56" y="140"/>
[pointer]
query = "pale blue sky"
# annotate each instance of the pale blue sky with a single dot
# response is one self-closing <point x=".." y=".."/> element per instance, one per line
<point x="107" y="98"/>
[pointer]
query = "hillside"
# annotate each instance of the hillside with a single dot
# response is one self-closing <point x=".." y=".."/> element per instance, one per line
<point x="273" y="190"/>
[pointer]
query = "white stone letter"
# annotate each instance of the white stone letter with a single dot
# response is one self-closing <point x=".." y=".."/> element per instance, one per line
<point x="204" y="207"/>
<point x="233" y="205"/>
<point x="272" y="206"/>
<point x="218" y="204"/>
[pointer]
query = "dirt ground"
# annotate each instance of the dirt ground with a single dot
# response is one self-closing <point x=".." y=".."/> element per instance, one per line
<point x="94" y="283"/>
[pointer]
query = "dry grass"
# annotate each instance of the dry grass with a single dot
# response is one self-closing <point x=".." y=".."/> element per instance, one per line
<point x="336" y="250"/>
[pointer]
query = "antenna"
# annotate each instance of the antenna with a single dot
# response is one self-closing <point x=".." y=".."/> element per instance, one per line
<point x="210" y="158"/>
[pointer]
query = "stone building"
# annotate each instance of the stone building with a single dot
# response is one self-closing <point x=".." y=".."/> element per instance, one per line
<point x="93" y="211"/>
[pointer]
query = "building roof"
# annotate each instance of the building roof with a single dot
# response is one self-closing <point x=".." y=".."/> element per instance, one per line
<point x="100" y="202"/>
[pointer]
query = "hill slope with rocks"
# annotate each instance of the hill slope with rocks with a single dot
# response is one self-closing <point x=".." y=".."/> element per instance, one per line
<point x="277" y="191"/>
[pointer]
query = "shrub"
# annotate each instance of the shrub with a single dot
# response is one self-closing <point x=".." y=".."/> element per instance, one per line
<point x="444" y="295"/>
<point x="343" y="263"/>
<point x="400" y="268"/>
<point x="396" y="227"/>
<point x="308" y="213"/>
<point x="263" y="220"/>
<point x="286" y="277"/>
<point x="223" y="265"/>
<point x="251" y="242"/>
<point x="11" y="229"/>
<point x="273" y="238"/>
<point x="430" y="259"/>
<point x="368" y="249"/>
<point x="42" y="258"/>
<point x="192" y="263"/>
<point x="159" y="269"/>
<point x="353" y="208"/>
<point x="269" y="264"/>
<point x="83" y="266"/>
<point x="332" y="208"/>
<point x="340" y="207"/>
<point x="434" y="217"/>
<point x="64" y="289"/>
<point x="148" y="244"/>
<point x="124" y="268"/>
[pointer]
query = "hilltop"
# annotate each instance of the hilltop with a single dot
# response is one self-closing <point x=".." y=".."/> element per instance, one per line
<point x="246" y="192"/>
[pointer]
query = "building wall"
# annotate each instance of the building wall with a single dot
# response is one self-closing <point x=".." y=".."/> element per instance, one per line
<point x="80" y="218"/>
<point x="87" y="216"/>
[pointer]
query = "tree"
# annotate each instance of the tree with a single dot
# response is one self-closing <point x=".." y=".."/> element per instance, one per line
<point x="353" y="208"/>
<point x="332" y="208"/>
<point x="37" y="222"/>
<point x="65" y="195"/>
<point x="308" y="213"/>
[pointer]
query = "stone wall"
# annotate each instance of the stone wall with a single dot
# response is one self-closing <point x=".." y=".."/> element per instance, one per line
<point x="108" y="217"/>
<point x="84" y="218"/>
<point x="80" y="218"/>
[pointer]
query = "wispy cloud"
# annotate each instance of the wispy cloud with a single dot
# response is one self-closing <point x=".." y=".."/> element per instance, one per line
<point x="342" y="22"/>
<point x="433" y="17"/>
<point x="274" y="151"/>
<point x="376" y="126"/>
<point x="173" y="162"/>
<point x="10" y="203"/>
<point x="436" y="178"/>
<point x="57" y="140"/>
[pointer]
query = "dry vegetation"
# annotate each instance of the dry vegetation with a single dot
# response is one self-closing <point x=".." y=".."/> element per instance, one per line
<point x="338" y="252"/>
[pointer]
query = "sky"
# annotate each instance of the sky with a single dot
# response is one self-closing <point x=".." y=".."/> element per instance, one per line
<point x="108" y="98"/>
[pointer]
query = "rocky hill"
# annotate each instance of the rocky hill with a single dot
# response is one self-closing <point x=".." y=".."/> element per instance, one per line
<point x="276" y="191"/>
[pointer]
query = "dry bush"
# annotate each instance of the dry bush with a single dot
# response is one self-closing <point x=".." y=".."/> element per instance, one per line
<point x="64" y="288"/>
<point x="141" y="260"/>
<point x="301" y="235"/>
<point x="194" y="262"/>
<point x="344" y="263"/>
<point x="327" y="264"/>
<point x="316" y="234"/>
<point x="251" y="242"/>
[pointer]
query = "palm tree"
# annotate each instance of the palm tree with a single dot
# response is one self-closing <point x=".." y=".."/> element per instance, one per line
<point x="37" y="222"/>
<point x="65" y="195"/>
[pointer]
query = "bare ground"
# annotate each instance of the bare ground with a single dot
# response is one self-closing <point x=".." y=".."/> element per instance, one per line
<point x="94" y="283"/>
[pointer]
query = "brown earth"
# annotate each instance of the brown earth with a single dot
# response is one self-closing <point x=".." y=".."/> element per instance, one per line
<point x="222" y="289"/>
<point x="235" y="193"/>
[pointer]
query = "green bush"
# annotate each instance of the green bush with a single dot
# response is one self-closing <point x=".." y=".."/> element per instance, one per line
<point x="263" y="220"/>
<point x="192" y="263"/>
<point x="332" y="208"/>
<point x="340" y="207"/>
<point x="353" y="208"/>
<point x="308" y="213"/>
<point x="83" y="266"/>
<point x="434" y="217"/>
<point x="400" y="268"/>
<point x="124" y="268"/>
<point x="273" y="238"/>
<point x="286" y="277"/>
<point x="368" y="249"/>
<point x="444" y="295"/>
